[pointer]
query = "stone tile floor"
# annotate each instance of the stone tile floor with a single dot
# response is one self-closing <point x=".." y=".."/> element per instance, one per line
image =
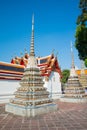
<point x="69" y="116"/>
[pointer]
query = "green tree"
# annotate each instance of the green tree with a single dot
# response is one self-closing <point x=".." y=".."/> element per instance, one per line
<point x="65" y="75"/>
<point x="81" y="31"/>
<point x="85" y="62"/>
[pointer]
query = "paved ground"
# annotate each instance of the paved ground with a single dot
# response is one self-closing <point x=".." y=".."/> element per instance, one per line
<point x="70" y="116"/>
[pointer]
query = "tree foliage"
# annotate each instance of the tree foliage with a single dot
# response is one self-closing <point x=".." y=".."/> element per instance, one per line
<point x="65" y="75"/>
<point x="85" y="62"/>
<point x="81" y="31"/>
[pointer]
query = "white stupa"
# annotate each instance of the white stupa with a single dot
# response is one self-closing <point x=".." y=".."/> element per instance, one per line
<point x="31" y="98"/>
<point x="74" y="92"/>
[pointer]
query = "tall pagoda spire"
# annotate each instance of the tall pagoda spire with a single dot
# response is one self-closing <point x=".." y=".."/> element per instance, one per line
<point x="72" y="71"/>
<point x="72" y="57"/>
<point x="32" y="62"/>
<point x="32" y="38"/>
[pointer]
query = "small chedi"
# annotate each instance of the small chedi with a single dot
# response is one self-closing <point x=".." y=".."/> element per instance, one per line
<point x="31" y="98"/>
<point x="73" y="90"/>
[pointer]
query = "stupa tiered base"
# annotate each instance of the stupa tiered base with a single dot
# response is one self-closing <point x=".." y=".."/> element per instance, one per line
<point x="30" y="111"/>
<point x="73" y="99"/>
<point x="74" y="92"/>
<point x="31" y="98"/>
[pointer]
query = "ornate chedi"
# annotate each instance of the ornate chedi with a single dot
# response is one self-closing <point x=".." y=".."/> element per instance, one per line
<point x="73" y="89"/>
<point x="83" y="77"/>
<point x="31" y="98"/>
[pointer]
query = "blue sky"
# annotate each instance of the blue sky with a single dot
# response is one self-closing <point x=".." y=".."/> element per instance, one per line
<point x="55" y="25"/>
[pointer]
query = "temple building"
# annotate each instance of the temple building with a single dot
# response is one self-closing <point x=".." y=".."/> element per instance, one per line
<point x="31" y="98"/>
<point x="10" y="75"/>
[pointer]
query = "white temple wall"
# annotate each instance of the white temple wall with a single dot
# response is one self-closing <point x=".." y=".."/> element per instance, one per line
<point x="53" y="85"/>
<point x="7" y="88"/>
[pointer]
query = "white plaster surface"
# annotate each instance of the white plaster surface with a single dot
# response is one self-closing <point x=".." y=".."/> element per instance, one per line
<point x="73" y="100"/>
<point x="7" y="88"/>
<point x="30" y="112"/>
<point x="54" y="85"/>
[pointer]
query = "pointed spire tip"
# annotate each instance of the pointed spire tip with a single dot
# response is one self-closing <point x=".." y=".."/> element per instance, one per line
<point x="33" y="18"/>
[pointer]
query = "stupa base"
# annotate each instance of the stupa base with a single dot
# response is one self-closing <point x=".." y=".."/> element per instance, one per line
<point x="56" y="96"/>
<point x="73" y="100"/>
<point x="30" y="111"/>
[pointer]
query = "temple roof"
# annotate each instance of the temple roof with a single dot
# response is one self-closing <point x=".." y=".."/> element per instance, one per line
<point x="47" y="64"/>
<point x="79" y="72"/>
<point x="11" y="71"/>
<point x="15" y="69"/>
